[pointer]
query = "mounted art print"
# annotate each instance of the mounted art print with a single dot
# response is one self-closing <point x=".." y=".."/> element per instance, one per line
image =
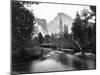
<point x="52" y="37"/>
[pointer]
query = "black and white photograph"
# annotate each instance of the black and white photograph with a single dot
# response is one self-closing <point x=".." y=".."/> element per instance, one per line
<point x="52" y="37"/>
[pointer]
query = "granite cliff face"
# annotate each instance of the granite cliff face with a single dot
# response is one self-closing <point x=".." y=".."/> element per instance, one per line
<point x="53" y="26"/>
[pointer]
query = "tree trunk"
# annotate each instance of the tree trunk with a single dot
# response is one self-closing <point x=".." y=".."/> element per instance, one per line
<point x="82" y="51"/>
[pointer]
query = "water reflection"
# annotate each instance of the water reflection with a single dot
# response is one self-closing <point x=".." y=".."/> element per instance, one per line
<point x="56" y="62"/>
<point x="49" y="65"/>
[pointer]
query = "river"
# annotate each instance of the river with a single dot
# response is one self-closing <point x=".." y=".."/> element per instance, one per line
<point x="55" y="61"/>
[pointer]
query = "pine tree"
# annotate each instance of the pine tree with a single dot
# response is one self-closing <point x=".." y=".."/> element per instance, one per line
<point x="22" y="24"/>
<point x="78" y="33"/>
<point x="40" y="38"/>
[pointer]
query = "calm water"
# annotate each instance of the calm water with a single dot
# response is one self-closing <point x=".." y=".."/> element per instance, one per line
<point x="55" y="62"/>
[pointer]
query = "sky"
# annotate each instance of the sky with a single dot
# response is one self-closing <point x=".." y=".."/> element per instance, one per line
<point x="49" y="11"/>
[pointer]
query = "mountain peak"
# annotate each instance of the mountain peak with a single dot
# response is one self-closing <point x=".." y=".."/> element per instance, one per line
<point x="64" y="15"/>
<point x="53" y="26"/>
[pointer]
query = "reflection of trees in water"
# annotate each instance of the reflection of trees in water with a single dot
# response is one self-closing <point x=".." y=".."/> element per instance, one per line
<point x="77" y="62"/>
<point x="57" y="61"/>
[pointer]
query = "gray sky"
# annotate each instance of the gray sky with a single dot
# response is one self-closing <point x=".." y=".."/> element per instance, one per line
<point x="49" y="11"/>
